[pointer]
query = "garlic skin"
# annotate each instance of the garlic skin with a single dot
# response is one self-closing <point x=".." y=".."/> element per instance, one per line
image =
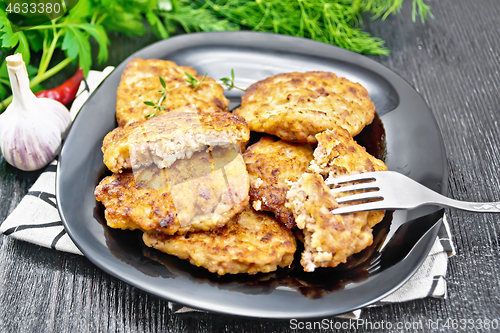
<point x="31" y="128"/>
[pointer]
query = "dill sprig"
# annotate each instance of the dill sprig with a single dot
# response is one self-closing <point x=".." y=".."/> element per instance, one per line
<point x="334" y="22"/>
<point x="182" y="14"/>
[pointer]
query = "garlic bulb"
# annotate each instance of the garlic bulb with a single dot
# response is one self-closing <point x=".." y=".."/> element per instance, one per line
<point x="31" y="129"/>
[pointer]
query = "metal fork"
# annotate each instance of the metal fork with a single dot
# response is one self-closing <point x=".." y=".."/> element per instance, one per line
<point x="387" y="190"/>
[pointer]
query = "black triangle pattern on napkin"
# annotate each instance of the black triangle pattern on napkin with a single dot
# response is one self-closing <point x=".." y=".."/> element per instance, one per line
<point x="36" y="219"/>
<point x="48" y="198"/>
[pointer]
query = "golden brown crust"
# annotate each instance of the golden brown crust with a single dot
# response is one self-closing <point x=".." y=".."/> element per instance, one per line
<point x="251" y="243"/>
<point x="338" y="154"/>
<point x="270" y="164"/>
<point x="140" y="83"/>
<point x="328" y="239"/>
<point x="188" y="196"/>
<point x="164" y="138"/>
<point x="297" y="106"/>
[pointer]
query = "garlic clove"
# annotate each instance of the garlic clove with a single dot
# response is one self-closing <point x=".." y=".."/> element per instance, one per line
<point x="31" y="129"/>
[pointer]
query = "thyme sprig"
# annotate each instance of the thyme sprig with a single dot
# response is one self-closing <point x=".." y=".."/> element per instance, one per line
<point x="157" y="106"/>
<point x="192" y="82"/>
<point x="229" y="82"/>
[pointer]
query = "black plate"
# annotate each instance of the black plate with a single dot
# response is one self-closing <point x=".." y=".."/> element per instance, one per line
<point x="414" y="147"/>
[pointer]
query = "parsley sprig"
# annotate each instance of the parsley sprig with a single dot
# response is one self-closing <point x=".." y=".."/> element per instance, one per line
<point x="192" y="82"/>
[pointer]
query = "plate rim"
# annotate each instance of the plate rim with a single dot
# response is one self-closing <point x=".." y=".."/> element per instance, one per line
<point x="200" y="39"/>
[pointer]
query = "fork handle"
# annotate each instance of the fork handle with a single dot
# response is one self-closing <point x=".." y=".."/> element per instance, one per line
<point x="478" y="207"/>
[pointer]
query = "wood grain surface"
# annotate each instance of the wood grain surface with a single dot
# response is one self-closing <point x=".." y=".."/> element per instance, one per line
<point x="452" y="60"/>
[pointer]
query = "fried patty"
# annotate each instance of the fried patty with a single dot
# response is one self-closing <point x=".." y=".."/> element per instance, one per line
<point x="297" y="106"/>
<point x="251" y="242"/>
<point x="140" y="82"/>
<point x="270" y="164"/>
<point x="165" y="138"/>
<point x="338" y="154"/>
<point x="329" y="239"/>
<point x="200" y="193"/>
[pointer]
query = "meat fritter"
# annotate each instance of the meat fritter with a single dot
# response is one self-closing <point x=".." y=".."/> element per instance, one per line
<point x="297" y="106"/>
<point x="140" y="82"/>
<point x="251" y="242"/>
<point x="170" y="136"/>
<point x="201" y="193"/>
<point x="270" y="164"/>
<point x="328" y="238"/>
<point x="338" y="154"/>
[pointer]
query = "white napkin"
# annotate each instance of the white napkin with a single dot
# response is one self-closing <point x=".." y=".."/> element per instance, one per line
<point x="36" y="220"/>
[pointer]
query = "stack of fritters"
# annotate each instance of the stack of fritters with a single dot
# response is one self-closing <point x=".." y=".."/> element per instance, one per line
<point x="180" y="178"/>
<point x="313" y="107"/>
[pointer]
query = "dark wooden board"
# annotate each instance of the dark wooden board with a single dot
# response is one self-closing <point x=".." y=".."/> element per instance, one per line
<point x="452" y="60"/>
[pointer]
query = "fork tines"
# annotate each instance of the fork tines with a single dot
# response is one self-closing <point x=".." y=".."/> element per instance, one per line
<point x="355" y="189"/>
<point x="363" y="183"/>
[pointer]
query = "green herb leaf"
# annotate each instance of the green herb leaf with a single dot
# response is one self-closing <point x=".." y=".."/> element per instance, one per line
<point x="10" y="39"/>
<point x="192" y="81"/>
<point x="23" y="48"/>
<point x="77" y="45"/>
<point x="100" y="36"/>
<point x="149" y="103"/>
<point x="35" y="39"/>
<point x="203" y="78"/>
<point x="128" y="23"/>
<point x="163" y="84"/>
<point x="82" y="10"/>
<point x="157" y="26"/>
<point x="193" y="16"/>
